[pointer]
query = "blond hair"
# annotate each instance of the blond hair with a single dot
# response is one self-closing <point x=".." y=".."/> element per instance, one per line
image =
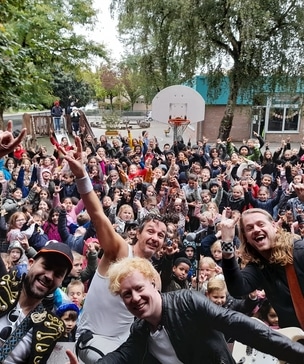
<point x="216" y="284"/>
<point x="125" y="267"/>
<point x="123" y="208"/>
<point x="282" y="250"/>
<point x="216" y="245"/>
<point x="209" y="261"/>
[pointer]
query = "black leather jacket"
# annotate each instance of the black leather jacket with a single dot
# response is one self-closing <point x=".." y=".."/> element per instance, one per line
<point x="272" y="278"/>
<point x="191" y="321"/>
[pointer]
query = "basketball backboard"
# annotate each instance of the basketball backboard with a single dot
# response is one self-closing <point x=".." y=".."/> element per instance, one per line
<point x="178" y="102"/>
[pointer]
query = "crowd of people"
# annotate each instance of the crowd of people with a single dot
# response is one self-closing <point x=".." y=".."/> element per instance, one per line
<point x="219" y="225"/>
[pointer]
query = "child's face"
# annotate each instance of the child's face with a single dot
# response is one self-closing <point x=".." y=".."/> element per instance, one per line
<point x="204" y="221"/>
<point x="216" y="253"/>
<point x="206" y="197"/>
<point x="181" y="271"/>
<point x="69" y="323"/>
<point x="218" y="296"/>
<point x="237" y="193"/>
<point x="272" y="318"/>
<point x="126" y="215"/>
<point x="266" y="181"/>
<point x="171" y="231"/>
<point x="76" y="295"/>
<point x="244" y="151"/>
<point x="246" y="174"/>
<point x="43" y="195"/>
<point x="263" y="195"/>
<point x="68" y="204"/>
<point x="68" y="179"/>
<point x="107" y="201"/>
<point x="190" y="253"/>
<point x="207" y="272"/>
<point x="214" y="189"/>
<point x="297" y="179"/>
<point x="38" y="220"/>
<point x="55" y="218"/>
<point x="15" y="255"/>
<point x="77" y="268"/>
<point x="215" y="163"/>
<point x="43" y="206"/>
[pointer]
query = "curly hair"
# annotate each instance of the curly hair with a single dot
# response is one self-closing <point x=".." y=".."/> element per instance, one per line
<point x="125" y="267"/>
<point x="282" y="250"/>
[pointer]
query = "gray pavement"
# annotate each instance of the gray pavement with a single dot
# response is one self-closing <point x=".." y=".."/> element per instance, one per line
<point x="157" y="129"/>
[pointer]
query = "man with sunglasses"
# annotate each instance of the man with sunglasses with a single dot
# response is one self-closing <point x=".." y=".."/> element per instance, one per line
<point x="105" y="322"/>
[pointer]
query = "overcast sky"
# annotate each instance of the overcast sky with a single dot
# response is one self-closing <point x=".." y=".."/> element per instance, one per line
<point x="105" y="31"/>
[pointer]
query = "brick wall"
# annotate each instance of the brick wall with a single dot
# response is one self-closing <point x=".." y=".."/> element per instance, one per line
<point x="213" y="115"/>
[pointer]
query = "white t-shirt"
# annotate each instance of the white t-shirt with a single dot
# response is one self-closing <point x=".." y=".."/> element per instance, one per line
<point x="159" y="345"/>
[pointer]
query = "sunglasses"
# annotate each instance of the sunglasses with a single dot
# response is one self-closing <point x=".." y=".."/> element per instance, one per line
<point x="13" y="317"/>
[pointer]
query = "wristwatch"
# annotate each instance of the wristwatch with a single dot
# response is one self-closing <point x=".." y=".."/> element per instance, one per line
<point x="227" y="247"/>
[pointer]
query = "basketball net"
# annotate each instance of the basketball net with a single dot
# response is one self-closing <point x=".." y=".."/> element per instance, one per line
<point x="178" y="125"/>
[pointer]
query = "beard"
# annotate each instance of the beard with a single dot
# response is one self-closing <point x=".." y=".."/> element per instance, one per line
<point x="30" y="290"/>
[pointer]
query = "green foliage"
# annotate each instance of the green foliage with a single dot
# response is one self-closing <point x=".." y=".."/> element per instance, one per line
<point x="248" y="41"/>
<point x="111" y="119"/>
<point x="67" y="88"/>
<point x="36" y="39"/>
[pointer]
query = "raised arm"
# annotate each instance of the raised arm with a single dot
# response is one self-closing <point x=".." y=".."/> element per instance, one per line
<point x="113" y="244"/>
<point x="7" y="141"/>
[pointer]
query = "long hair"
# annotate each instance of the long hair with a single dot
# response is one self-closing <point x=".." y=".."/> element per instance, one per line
<point x="282" y="250"/>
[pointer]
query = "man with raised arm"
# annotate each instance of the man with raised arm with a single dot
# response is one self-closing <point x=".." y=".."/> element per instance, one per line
<point x="105" y="321"/>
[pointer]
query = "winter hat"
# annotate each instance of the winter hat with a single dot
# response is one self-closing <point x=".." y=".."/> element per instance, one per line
<point x="244" y="146"/>
<point x="45" y="170"/>
<point x="189" y="244"/>
<point x="66" y="307"/>
<point x="127" y="150"/>
<point x="15" y="244"/>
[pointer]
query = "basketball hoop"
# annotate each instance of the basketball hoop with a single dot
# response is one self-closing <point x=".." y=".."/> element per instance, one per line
<point x="179" y="125"/>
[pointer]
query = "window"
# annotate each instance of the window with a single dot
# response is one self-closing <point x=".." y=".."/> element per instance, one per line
<point x="284" y="118"/>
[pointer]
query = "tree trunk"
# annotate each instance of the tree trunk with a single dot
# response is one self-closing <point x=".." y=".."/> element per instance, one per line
<point x="1" y="119"/>
<point x="226" y="122"/>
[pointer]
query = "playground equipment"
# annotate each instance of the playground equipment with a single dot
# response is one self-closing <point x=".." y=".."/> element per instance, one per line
<point x="178" y="105"/>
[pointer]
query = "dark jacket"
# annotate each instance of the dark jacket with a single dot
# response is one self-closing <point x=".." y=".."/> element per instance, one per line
<point x="272" y="278"/>
<point x="56" y="111"/>
<point x="47" y="328"/>
<point x="193" y="324"/>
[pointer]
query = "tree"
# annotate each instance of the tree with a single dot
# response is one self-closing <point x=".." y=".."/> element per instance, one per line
<point x="110" y="82"/>
<point x="37" y="37"/>
<point x="130" y="79"/>
<point x="70" y="88"/>
<point x="258" y="44"/>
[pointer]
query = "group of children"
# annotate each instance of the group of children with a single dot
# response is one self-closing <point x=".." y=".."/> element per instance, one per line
<point x="191" y="184"/>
